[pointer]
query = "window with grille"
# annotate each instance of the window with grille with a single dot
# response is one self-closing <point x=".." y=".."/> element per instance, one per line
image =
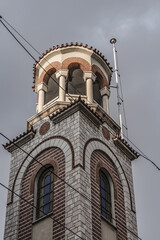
<point x="105" y="194"/>
<point x="45" y="193"/>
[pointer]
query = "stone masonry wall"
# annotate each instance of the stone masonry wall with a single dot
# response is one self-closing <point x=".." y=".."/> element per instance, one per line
<point x="77" y="137"/>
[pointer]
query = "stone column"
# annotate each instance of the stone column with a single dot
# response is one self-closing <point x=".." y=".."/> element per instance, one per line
<point x="41" y="89"/>
<point x="89" y="77"/>
<point x="62" y="75"/>
<point x="105" y="93"/>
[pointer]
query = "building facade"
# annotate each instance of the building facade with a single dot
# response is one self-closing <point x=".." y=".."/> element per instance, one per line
<point x="71" y="173"/>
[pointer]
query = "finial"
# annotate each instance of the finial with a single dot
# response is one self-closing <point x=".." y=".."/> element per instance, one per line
<point x="113" y="40"/>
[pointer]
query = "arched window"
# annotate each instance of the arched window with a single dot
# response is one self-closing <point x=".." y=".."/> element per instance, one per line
<point x="45" y="193"/>
<point x="52" y="90"/>
<point x="105" y="194"/>
<point x="96" y="92"/>
<point x="75" y="83"/>
<point x="97" y="86"/>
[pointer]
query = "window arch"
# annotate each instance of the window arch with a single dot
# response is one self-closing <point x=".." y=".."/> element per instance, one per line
<point x="105" y="195"/>
<point x="96" y="89"/>
<point x="44" y="201"/>
<point x="75" y="83"/>
<point x="52" y="90"/>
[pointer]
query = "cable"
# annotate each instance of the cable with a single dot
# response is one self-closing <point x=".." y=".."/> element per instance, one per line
<point x="33" y="57"/>
<point x="41" y="210"/>
<point x="142" y="154"/>
<point x="22" y="36"/>
<point x="122" y="99"/>
<point x="77" y="91"/>
<point x="43" y="165"/>
<point x="38" y="53"/>
<point x="52" y="78"/>
<point x="96" y="205"/>
<point x="124" y="112"/>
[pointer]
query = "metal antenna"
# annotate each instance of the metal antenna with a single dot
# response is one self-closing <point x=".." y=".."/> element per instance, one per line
<point x="113" y="41"/>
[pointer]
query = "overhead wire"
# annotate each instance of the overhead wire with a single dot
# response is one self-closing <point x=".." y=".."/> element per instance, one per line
<point x="142" y="155"/>
<point x="125" y="119"/>
<point x="50" y="64"/>
<point x="21" y="36"/>
<point x="38" y="52"/>
<point x="49" y="76"/>
<point x="55" y="220"/>
<point x="24" y="199"/>
<point x="122" y="98"/>
<point x="33" y="57"/>
<point x="93" y="203"/>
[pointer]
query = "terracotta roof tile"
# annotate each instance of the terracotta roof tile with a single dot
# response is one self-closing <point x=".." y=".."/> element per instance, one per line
<point x="123" y="141"/>
<point x="72" y="104"/>
<point x="18" y="138"/>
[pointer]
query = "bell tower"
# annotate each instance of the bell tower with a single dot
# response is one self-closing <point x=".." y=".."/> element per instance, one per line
<point x="71" y="171"/>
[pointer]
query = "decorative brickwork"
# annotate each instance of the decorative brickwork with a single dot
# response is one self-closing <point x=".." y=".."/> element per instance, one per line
<point x="102" y="160"/>
<point x="50" y="69"/>
<point x="102" y="80"/>
<point x="94" y="50"/>
<point x="94" y="144"/>
<point x="106" y="133"/>
<point x="26" y="211"/>
<point x="52" y="141"/>
<point x="84" y="65"/>
<point x="44" y="128"/>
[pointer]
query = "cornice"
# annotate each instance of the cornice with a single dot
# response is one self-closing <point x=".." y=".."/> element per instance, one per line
<point x="123" y="145"/>
<point x="20" y="140"/>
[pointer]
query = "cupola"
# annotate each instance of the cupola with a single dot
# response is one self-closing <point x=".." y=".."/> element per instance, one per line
<point x="66" y="72"/>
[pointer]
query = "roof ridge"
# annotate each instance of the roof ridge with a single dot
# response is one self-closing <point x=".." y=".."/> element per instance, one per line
<point x="79" y="99"/>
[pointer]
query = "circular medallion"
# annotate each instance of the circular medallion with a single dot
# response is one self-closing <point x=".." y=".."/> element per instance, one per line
<point x="44" y="128"/>
<point x="106" y="133"/>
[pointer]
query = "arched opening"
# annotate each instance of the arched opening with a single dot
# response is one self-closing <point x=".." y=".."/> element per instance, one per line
<point x="44" y="196"/>
<point x="105" y="195"/>
<point x="75" y="83"/>
<point x="53" y="89"/>
<point x="96" y="89"/>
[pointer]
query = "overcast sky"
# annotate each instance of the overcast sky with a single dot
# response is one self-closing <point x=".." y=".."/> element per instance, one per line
<point x="136" y="25"/>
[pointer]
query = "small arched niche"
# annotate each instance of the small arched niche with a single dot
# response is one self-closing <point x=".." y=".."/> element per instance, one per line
<point x="75" y="83"/>
<point x="96" y="89"/>
<point x="53" y="89"/>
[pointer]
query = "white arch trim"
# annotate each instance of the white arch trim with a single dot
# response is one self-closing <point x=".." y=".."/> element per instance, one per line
<point x="54" y="142"/>
<point x="99" y="145"/>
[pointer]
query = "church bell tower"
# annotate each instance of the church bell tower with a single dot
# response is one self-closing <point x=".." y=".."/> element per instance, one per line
<point x="71" y="171"/>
